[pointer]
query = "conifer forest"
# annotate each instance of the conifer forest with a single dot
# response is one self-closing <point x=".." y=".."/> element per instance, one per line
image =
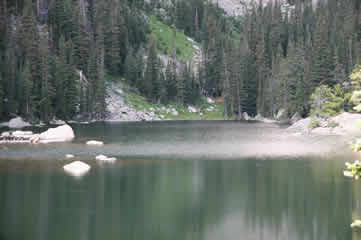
<point x="56" y="56"/>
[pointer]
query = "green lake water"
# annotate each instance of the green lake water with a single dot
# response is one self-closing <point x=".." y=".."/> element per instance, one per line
<point x="181" y="180"/>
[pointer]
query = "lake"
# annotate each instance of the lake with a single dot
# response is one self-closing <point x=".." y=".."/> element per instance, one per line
<point x="181" y="180"/>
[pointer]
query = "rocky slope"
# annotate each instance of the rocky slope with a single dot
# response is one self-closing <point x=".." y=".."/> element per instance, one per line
<point x="118" y="110"/>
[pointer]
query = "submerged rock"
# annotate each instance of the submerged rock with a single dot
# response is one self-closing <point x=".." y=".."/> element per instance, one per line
<point x="77" y="168"/>
<point x="68" y="156"/>
<point x="105" y="158"/>
<point x="18" y="122"/>
<point x="95" y="143"/>
<point x="59" y="134"/>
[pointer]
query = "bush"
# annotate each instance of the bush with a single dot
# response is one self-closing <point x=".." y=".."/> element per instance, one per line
<point x="327" y="102"/>
<point x="332" y="124"/>
<point x="315" y="123"/>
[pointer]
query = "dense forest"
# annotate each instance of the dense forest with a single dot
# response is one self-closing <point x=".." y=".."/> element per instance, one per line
<point x="55" y="55"/>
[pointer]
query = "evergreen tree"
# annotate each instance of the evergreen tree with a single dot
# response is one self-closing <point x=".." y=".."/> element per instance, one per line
<point x="171" y="82"/>
<point x="151" y="85"/>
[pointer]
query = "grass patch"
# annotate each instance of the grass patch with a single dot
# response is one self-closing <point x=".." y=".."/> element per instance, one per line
<point x="163" y="34"/>
<point x="133" y="99"/>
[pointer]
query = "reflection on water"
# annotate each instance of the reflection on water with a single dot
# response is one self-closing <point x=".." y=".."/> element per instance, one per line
<point x="246" y="199"/>
<point x="275" y="186"/>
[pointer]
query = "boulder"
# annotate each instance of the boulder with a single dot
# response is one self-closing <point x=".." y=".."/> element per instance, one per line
<point x="301" y="125"/>
<point x="192" y="109"/>
<point x="105" y="158"/>
<point x="77" y="168"/>
<point x="5" y="134"/>
<point x="259" y="117"/>
<point x="281" y="114"/>
<point x="59" y="134"/>
<point x="296" y="117"/>
<point x="18" y="122"/>
<point x="348" y="122"/>
<point x="95" y="143"/>
<point x="245" y="116"/>
<point x="57" y="122"/>
<point x="68" y="156"/>
<point x="210" y="100"/>
<point x="175" y="113"/>
<point x="322" y="131"/>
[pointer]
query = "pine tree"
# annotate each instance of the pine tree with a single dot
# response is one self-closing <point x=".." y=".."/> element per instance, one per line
<point x="321" y="67"/>
<point x="181" y="87"/>
<point x="171" y="82"/>
<point x="2" y="93"/>
<point x="61" y="76"/>
<point x="27" y="92"/>
<point x="45" y="101"/>
<point x="115" y="58"/>
<point x="80" y="40"/>
<point x="152" y="74"/>
<point x="3" y="25"/>
<point x="100" y="93"/>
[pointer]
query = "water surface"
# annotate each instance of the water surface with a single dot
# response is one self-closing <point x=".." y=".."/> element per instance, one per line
<point x="181" y="180"/>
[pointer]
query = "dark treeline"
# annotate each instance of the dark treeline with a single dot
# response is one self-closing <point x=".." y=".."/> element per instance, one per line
<point x="286" y="53"/>
<point x="56" y="54"/>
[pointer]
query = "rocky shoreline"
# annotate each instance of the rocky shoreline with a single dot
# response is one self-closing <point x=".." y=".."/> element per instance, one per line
<point x="342" y="124"/>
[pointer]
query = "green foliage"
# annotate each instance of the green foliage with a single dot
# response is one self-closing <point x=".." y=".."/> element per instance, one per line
<point x="163" y="34"/>
<point x="327" y="102"/>
<point x="332" y="124"/>
<point x="356" y="78"/>
<point x="315" y="123"/>
<point x="353" y="169"/>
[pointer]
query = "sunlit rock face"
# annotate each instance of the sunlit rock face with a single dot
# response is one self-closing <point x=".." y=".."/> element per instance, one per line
<point x="59" y="134"/>
<point x="239" y="7"/>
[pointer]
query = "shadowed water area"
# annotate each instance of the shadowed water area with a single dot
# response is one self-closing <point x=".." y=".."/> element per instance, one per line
<point x="181" y="180"/>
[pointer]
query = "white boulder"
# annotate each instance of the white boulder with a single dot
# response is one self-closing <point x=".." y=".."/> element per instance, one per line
<point x="77" y="168"/>
<point x="18" y="122"/>
<point x="245" y="116"/>
<point x="69" y="156"/>
<point x="192" y="109"/>
<point x="175" y="112"/>
<point x="348" y="122"/>
<point x="95" y="143"/>
<point x="59" y="134"/>
<point x="105" y="158"/>
<point x="210" y="100"/>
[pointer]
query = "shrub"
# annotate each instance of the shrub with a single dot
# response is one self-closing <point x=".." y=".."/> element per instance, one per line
<point x="314" y="123"/>
<point x="327" y="102"/>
